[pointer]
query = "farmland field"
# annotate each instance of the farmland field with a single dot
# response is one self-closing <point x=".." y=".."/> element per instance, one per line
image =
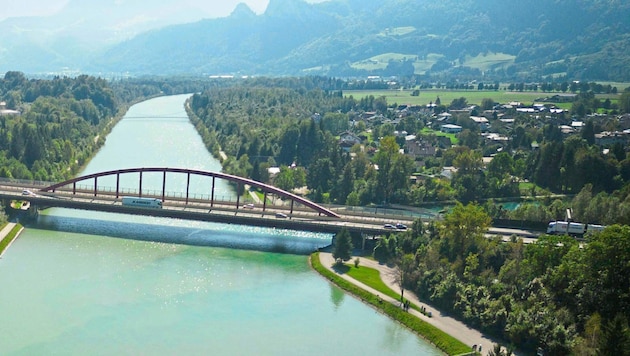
<point x="446" y="96"/>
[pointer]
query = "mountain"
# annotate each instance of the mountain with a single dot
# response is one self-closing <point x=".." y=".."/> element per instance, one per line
<point x="71" y="37"/>
<point x="496" y="39"/>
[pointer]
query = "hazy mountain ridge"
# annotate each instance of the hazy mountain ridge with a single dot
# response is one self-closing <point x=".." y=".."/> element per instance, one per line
<point x="583" y="39"/>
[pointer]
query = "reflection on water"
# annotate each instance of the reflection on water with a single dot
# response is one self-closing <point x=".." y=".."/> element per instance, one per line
<point x="190" y="233"/>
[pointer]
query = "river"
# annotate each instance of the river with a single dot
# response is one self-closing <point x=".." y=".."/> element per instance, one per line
<point x="78" y="282"/>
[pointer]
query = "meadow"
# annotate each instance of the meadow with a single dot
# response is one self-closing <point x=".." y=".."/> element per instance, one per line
<point x="473" y="96"/>
<point x="447" y="96"/>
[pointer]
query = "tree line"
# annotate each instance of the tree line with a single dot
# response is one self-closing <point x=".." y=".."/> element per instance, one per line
<point x="555" y="294"/>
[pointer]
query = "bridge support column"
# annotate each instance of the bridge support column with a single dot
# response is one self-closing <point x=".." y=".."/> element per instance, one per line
<point x="187" y="187"/>
<point x="140" y="183"/>
<point x="117" y="185"/>
<point x="362" y="242"/>
<point x="163" y="185"/>
<point x="265" y="201"/>
<point x="212" y="194"/>
<point x="33" y="212"/>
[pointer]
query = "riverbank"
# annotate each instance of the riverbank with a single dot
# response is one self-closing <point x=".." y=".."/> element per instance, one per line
<point x="8" y="234"/>
<point x="447" y="326"/>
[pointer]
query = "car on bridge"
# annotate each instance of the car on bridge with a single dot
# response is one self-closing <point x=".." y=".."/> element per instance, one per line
<point x="389" y="226"/>
<point x="281" y="215"/>
<point x="401" y="226"/>
<point x="248" y="206"/>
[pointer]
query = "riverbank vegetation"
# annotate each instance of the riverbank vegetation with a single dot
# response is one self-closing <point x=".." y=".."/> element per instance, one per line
<point x="441" y="340"/>
<point x="556" y="294"/>
<point x="54" y="125"/>
<point x="49" y="128"/>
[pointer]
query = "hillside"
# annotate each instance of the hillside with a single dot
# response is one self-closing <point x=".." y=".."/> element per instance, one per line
<point x="498" y="39"/>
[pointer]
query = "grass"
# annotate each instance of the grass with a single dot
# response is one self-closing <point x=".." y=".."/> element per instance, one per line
<point x="452" y="137"/>
<point x="447" y="96"/>
<point x="10" y="237"/>
<point x="489" y="61"/>
<point x="440" y="339"/>
<point x="372" y="278"/>
<point x="397" y="31"/>
<point x="421" y="65"/>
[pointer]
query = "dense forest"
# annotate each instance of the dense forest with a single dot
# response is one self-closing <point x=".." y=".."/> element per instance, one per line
<point x="58" y="126"/>
<point x="55" y="125"/>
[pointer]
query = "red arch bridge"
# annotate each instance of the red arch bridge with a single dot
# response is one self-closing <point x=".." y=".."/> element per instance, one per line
<point x="275" y="207"/>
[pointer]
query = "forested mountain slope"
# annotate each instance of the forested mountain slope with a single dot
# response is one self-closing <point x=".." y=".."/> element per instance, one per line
<point x="582" y="39"/>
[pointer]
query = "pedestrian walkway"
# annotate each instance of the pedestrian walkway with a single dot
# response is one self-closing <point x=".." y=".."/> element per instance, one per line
<point x="4" y="232"/>
<point x="443" y="322"/>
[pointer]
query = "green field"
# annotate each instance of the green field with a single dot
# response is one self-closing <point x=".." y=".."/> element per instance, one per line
<point x="381" y="61"/>
<point x="489" y="61"/>
<point x="446" y="96"/>
<point x="452" y="137"/>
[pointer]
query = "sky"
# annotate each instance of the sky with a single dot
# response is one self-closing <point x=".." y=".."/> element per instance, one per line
<point x="213" y="8"/>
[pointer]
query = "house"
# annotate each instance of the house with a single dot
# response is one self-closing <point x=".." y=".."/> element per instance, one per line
<point x="482" y="122"/>
<point x="347" y="139"/>
<point x="608" y="138"/>
<point x="450" y="128"/>
<point x="5" y="111"/>
<point x="419" y="149"/>
<point x="495" y="138"/>
<point x="446" y="117"/>
<point x="448" y="172"/>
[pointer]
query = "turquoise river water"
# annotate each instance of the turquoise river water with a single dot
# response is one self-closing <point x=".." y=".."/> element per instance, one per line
<point x="87" y="283"/>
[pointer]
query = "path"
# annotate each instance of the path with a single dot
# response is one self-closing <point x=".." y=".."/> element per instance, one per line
<point x="443" y="322"/>
<point x="4" y="232"/>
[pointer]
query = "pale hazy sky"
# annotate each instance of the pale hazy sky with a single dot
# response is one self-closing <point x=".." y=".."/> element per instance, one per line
<point x="218" y="8"/>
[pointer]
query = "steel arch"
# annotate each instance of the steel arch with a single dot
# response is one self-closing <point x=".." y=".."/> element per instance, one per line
<point x="239" y="180"/>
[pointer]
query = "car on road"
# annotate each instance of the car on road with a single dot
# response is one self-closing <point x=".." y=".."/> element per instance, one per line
<point x="248" y="206"/>
<point x="27" y="192"/>
<point x="281" y="215"/>
<point x="401" y="226"/>
<point x="389" y="226"/>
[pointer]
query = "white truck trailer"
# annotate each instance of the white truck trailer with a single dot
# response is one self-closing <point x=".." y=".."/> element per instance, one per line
<point x="151" y="203"/>
<point x="572" y="228"/>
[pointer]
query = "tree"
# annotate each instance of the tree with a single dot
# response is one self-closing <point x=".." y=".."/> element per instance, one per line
<point x="342" y="248"/>
<point x="288" y="145"/>
<point x="588" y="132"/>
<point x="487" y="104"/>
<point x="624" y="102"/>
<point x="462" y="229"/>
<point x="404" y="266"/>
<point x="615" y="339"/>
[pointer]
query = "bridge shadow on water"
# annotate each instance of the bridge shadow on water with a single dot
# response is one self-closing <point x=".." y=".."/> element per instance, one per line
<point x="201" y="234"/>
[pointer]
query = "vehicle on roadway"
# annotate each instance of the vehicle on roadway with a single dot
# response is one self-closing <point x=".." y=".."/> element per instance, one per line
<point x="572" y="228"/>
<point x="401" y="226"/>
<point x="389" y="226"/>
<point x="27" y="192"/>
<point x="152" y="203"/>
<point x="248" y="206"/>
<point x="281" y="215"/>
